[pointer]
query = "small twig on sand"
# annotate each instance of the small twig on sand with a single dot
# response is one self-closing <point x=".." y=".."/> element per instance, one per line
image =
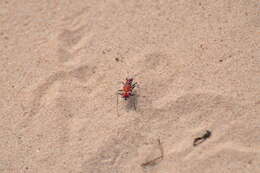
<point x="155" y="160"/>
<point x="201" y="139"/>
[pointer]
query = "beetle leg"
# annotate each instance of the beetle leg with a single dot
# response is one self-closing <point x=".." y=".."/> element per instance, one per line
<point x="117" y="105"/>
<point x="134" y="102"/>
<point x="133" y="86"/>
<point x="119" y="92"/>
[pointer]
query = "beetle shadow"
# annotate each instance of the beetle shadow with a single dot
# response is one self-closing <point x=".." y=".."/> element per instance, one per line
<point x="132" y="102"/>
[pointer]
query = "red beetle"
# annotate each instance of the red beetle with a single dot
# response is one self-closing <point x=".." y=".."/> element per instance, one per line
<point x="127" y="90"/>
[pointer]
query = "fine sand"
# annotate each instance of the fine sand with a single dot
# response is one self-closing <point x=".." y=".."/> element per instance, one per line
<point x="197" y="65"/>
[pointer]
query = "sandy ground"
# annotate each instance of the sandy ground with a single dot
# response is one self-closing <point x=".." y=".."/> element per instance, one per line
<point x="197" y="64"/>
